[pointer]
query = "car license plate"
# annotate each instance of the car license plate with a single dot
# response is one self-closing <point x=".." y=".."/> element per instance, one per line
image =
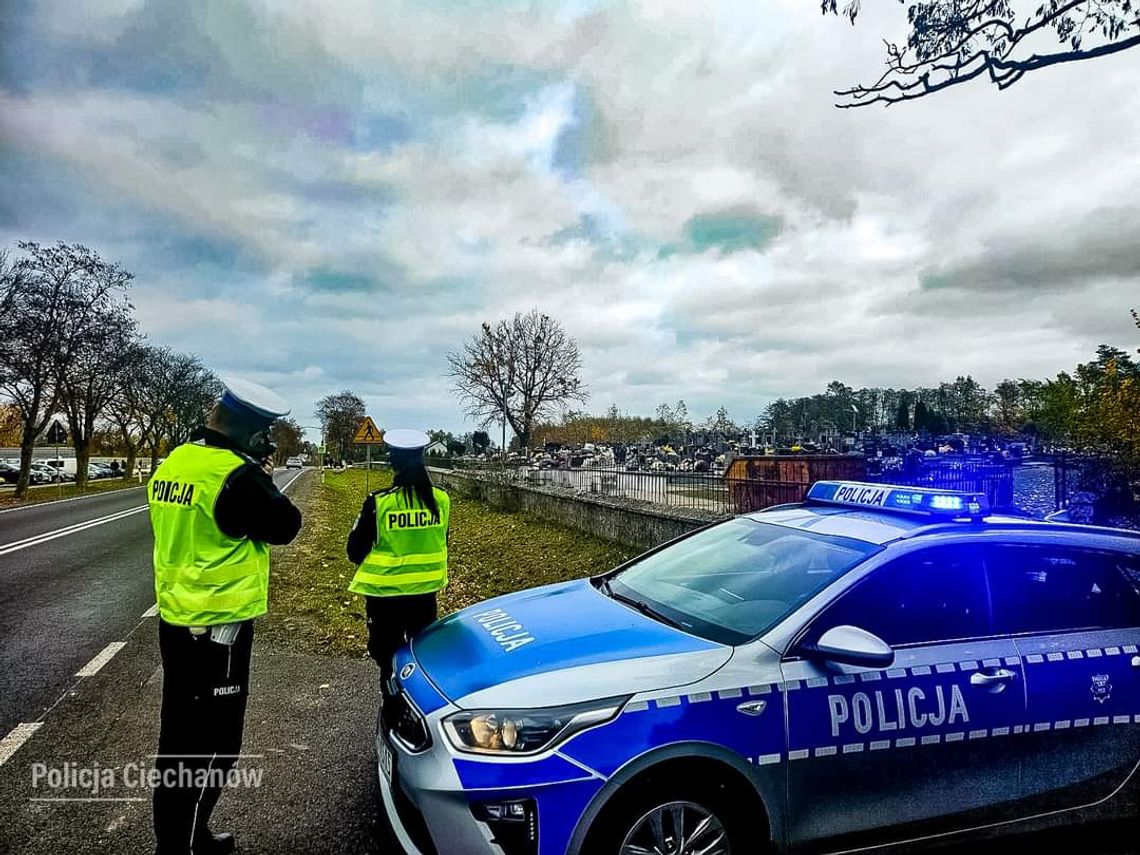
<point x="386" y="762"/>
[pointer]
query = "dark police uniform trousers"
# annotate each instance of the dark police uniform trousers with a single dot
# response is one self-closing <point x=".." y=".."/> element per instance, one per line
<point x="205" y="685"/>
<point x="392" y="621"/>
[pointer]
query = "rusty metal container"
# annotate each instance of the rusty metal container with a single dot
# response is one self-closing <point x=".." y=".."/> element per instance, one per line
<point x="760" y="482"/>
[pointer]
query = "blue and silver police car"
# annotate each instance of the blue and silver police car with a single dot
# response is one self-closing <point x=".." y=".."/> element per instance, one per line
<point x="875" y="665"/>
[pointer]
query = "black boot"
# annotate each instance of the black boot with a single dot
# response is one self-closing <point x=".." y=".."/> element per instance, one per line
<point x="215" y="844"/>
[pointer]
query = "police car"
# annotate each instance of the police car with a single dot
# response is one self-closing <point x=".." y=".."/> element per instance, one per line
<point x="874" y="665"/>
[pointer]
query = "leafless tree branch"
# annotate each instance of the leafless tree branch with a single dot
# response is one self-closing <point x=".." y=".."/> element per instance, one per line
<point x="954" y="41"/>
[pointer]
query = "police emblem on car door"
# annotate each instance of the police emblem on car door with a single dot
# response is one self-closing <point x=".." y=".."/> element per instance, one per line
<point x="1076" y="618"/>
<point x="928" y="736"/>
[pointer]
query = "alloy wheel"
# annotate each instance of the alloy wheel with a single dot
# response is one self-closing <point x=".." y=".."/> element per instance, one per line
<point x="677" y="828"/>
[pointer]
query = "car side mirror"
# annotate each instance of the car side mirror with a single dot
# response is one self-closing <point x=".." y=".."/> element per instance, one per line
<point x="850" y="645"/>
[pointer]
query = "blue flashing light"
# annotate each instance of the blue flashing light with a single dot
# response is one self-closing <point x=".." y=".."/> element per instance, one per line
<point x="946" y="503"/>
<point x="911" y="500"/>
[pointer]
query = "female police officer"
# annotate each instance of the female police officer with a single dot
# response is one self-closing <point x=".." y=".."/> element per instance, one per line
<point x="399" y="542"/>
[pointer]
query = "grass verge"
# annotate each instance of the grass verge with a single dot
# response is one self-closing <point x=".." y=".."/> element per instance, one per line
<point x="490" y="553"/>
<point x="54" y="492"/>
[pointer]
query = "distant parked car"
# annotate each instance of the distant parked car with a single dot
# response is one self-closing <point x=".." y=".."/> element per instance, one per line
<point x="9" y="474"/>
<point x="42" y="473"/>
<point x="65" y="466"/>
<point x="294" y="463"/>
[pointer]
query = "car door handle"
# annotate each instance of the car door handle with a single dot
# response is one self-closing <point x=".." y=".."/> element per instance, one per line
<point x="995" y="682"/>
<point x="752" y="707"/>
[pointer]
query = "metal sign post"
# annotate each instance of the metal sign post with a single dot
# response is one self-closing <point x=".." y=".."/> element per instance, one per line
<point x="368" y="435"/>
<point x="56" y="434"/>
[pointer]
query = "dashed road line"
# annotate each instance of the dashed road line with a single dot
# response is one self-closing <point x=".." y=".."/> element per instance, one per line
<point x="20" y="734"/>
<point x="151" y="612"/>
<point x="101" y="658"/>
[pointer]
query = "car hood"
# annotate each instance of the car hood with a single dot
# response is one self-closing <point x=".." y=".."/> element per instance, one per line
<point x="557" y="644"/>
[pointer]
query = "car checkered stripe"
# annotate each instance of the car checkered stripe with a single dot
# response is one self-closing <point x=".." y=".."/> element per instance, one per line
<point x="673" y="701"/>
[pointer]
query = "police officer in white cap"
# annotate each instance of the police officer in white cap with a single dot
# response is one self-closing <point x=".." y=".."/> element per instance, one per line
<point x="214" y="509"/>
<point x="399" y="542"/>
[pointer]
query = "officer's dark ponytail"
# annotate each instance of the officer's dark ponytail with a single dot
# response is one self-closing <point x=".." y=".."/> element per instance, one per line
<point x="411" y="477"/>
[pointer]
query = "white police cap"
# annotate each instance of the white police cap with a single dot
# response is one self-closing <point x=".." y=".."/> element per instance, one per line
<point x="406" y="439"/>
<point x="252" y="399"/>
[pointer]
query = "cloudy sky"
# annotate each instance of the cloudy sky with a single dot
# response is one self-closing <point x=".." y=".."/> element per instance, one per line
<point x="331" y="195"/>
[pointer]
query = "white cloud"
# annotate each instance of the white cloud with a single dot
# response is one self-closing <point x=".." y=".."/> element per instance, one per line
<point x="552" y="156"/>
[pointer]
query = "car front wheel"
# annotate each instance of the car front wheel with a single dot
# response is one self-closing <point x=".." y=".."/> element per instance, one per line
<point x="675" y="820"/>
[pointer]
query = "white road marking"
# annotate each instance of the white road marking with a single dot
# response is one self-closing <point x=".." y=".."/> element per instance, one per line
<point x="20" y="734"/>
<point x="74" y="526"/>
<point x="289" y="483"/>
<point x="90" y="799"/>
<point x="16" y="546"/>
<point x="151" y="612"/>
<point x="101" y="659"/>
<point x="94" y="495"/>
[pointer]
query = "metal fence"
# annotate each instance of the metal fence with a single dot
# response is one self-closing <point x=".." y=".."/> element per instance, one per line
<point x="975" y="475"/>
<point x="1098" y="489"/>
<point x="717" y="494"/>
<point x="692" y="490"/>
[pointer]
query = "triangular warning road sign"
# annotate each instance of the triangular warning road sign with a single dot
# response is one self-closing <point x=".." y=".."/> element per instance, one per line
<point x="368" y="433"/>
<point x="56" y="433"/>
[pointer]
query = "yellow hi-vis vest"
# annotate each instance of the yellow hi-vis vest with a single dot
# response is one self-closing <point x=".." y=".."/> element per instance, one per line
<point x="410" y="552"/>
<point x="201" y="575"/>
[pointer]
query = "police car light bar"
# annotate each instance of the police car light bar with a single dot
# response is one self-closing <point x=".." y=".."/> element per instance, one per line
<point x="911" y="500"/>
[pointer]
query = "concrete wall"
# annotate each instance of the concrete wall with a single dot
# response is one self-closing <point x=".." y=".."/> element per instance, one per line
<point x="637" y="524"/>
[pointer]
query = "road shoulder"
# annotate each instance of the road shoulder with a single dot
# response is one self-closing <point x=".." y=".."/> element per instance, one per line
<point x="308" y="734"/>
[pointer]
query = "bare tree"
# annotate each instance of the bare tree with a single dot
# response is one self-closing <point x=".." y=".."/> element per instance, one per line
<point x="162" y="397"/>
<point x="340" y="415"/>
<point x="520" y="371"/>
<point x="11" y="281"/>
<point x="126" y="410"/>
<point x="89" y="365"/>
<point x="55" y="295"/>
<point x="955" y="41"/>
<point x="192" y="389"/>
<point x="288" y="437"/>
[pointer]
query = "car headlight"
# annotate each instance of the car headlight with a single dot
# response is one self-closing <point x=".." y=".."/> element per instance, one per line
<point x="529" y="731"/>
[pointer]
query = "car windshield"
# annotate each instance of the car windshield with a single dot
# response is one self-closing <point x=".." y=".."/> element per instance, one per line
<point x="734" y="581"/>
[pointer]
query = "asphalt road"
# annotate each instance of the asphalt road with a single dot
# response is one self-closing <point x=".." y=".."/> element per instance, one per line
<point x="76" y="577"/>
